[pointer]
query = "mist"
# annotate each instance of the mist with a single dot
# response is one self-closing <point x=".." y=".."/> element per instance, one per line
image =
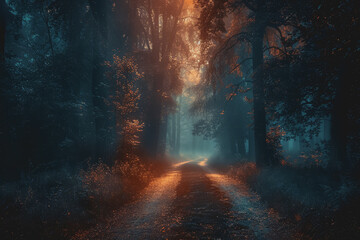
<point x="179" y="119"/>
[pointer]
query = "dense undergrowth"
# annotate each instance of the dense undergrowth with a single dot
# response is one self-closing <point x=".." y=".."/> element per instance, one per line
<point x="55" y="204"/>
<point x="321" y="204"/>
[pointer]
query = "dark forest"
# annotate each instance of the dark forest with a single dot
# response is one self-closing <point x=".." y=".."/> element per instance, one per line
<point x="180" y="119"/>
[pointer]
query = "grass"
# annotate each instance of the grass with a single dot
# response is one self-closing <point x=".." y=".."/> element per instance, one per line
<point x="55" y="204"/>
<point x="322" y="205"/>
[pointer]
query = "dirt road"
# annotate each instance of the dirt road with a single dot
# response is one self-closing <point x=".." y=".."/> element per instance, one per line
<point x="192" y="202"/>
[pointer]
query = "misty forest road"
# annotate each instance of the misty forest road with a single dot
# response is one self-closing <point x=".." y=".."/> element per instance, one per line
<point x="192" y="202"/>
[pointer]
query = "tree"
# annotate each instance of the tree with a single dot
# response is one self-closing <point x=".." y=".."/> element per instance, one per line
<point x="332" y="40"/>
<point x="124" y="72"/>
<point x="4" y="14"/>
<point x="256" y="17"/>
<point x="156" y="30"/>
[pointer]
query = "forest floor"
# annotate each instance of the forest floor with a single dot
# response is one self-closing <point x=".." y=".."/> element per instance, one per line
<point x="193" y="202"/>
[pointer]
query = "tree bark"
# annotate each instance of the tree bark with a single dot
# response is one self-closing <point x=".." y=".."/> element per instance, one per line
<point x="339" y="124"/>
<point x="258" y="91"/>
<point x="162" y="136"/>
<point x="154" y="114"/>
<point x="132" y="28"/>
<point x="173" y="133"/>
<point x="251" y="145"/>
<point x="102" y="112"/>
<point x="178" y="129"/>
<point x="160" y="61"/>
<point x="3" y="14"/>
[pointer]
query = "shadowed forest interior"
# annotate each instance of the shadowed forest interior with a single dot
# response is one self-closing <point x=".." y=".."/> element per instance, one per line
<point x="179" y="119"/>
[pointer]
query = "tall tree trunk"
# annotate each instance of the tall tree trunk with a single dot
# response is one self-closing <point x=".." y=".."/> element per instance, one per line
<point x="102" y="113"/>
<point x="153" y="118"/>
<point x="258" y="91"/>
<point x="153" y="122"/>
<point x="7" y="167"/>
<point x="160" y="61"/>
<point x="3" y="14"/>
<point x="178" y="129"/>
<point x="100" y="108"/>
<point x="163" y="134"/>
<point x="87" y="128"/>
<point x="339" y="123"/>
<point x="132" y="41"/>
<point x="251" y="145"/>
<point x="79" y="80"/>
<point x="173" y="133"/>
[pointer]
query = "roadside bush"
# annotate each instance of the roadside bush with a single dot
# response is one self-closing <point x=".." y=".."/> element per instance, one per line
<point x="55" y="204"/>
<point x="41" y="205"/>
<point x="323" y="205"/>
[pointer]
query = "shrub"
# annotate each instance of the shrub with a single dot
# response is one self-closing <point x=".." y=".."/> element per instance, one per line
<point x="323" y="205"/>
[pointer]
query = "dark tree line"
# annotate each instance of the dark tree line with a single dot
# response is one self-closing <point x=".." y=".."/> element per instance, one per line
<point x="304" y="58"/>
<point x="57" y="100"/>
<point x="285" y="65"/>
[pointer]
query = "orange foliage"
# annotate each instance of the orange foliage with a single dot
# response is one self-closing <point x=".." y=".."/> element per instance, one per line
<point x="275" y="133"/>
<point x="312" y="159"/>
<point x="124" y="71"/>
<point x="123" y="68"/>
